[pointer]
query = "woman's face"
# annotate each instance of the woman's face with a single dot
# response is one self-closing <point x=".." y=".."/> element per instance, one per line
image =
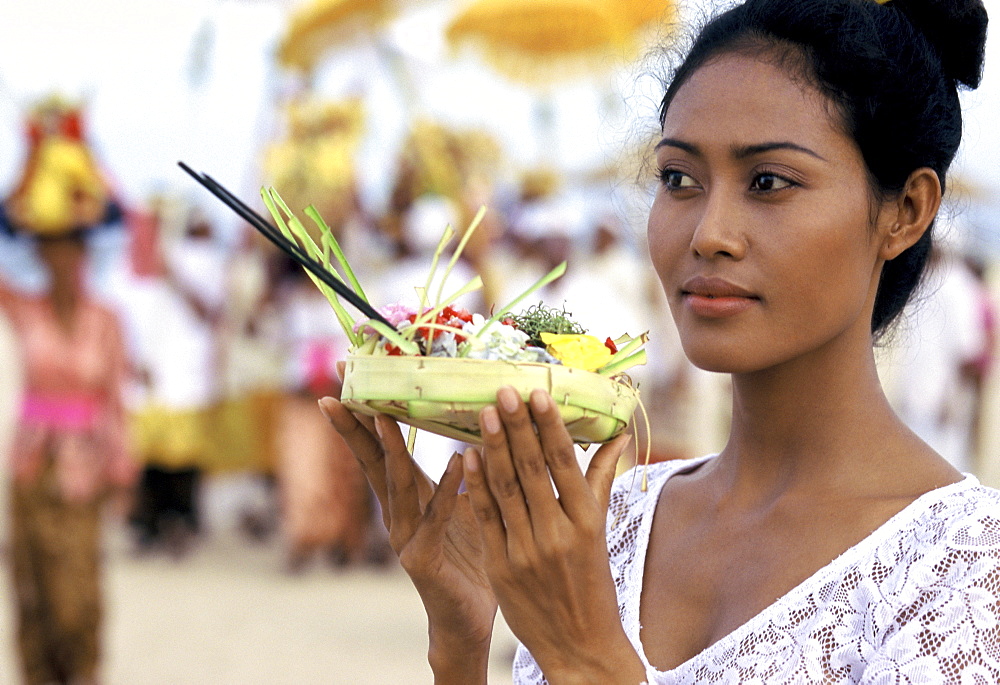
<point x="761" y="227"/>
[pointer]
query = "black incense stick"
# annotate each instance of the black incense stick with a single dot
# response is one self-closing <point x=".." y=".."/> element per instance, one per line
<point x="287" y="246"/>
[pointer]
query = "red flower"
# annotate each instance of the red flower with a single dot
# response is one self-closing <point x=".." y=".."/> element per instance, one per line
<point x="610" y="344"/>
<point x="450" y="312"/>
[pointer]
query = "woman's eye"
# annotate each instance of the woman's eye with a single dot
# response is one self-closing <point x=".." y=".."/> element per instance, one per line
<point x="676" y="180"/>
<point x="768" y="182"/>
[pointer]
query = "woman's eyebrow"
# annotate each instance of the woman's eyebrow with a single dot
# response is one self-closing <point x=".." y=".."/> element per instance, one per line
<point x="745" y="151"/>
<point x="740" y="152"/>
<point x="673" y="142"/>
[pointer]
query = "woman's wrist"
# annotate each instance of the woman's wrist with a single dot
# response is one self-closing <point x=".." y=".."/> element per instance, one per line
<point x="458" y="659"/>
<point x="610" y="665"/>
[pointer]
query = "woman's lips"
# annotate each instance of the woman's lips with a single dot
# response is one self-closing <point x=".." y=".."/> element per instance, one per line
<point x="715" y="297"/>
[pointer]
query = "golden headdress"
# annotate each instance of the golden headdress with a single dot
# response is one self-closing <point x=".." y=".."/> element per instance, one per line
<point x="61" y="189"/>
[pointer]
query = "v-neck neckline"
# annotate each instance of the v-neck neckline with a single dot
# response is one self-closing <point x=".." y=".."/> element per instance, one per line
<point x="638" y="569"/>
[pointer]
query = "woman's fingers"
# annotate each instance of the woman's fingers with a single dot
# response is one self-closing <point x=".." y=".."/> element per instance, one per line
<point x="577" y="493"/>
<point x="484" y="507"/>
<point x="529" y="459"/>
<point x="438" y="512"/>
<point x="425" y="486"/>
<point x="499" y="471"/>
<point x="362" y="441"/>
<point x="401" y="483"/>
<point x="559" y="453"/>
<point x="602" y="468"/>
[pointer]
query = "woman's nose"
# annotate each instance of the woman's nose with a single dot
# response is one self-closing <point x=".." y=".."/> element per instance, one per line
<point x="719" y="232"/>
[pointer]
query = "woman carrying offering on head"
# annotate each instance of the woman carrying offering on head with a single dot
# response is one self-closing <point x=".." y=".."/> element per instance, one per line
<point x="803" y="157"/>
<point x="70" y="447"/>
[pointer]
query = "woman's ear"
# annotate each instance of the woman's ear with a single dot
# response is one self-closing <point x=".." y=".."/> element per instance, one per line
<point x="908" y="216"/>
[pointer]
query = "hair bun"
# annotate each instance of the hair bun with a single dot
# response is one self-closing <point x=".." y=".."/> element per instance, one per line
<point x="957" y="30"/>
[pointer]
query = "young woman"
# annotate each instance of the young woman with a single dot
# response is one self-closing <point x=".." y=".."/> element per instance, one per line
<point x="803" y="157"/>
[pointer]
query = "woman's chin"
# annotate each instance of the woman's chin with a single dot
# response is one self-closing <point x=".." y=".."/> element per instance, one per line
<point x="724" y="358"/>
<point x="719" y="365"/>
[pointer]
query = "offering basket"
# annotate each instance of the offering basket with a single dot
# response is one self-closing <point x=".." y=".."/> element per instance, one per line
<point x="445" y="395"/>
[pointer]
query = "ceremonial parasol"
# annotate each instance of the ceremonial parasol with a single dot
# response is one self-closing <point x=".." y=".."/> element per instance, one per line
<point x="321" y="24"/>
<point x="640" y="13"/>
<point x="540" y="40"/>
<point x="544" y="42"/>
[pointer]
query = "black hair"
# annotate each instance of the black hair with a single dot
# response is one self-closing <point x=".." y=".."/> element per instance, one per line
<point x="892" y="72"/>
<point x="113" y="217"/>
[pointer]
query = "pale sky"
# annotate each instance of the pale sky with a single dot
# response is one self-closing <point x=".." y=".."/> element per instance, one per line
<point x="132" y="61"/>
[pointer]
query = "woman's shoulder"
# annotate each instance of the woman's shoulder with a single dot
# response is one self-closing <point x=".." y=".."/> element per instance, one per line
<point x="635" y="492"/>
<point x="952" y="538"/>
<point x="933" y="591"/>
<point x="16" y="301"/>
<point x="646" y="479"/>
<point x="7" y="291"/>
<point x="960" y="505"/>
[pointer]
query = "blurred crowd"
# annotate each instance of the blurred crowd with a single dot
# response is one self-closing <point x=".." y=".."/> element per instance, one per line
<point x="157" y="352"/>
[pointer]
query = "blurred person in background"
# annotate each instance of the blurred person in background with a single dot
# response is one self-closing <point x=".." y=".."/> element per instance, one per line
<point x="325" y="506"/>
<point x="936" y="366"/>
<point x="541" y="227"/>
<point x="172" y="318"/>
<point x="70" y="448"/>
<point x="443" y="176"/>
<point x="978" y="370"/>
<point x="325" y="501"/>
<point x="253" y="360"/>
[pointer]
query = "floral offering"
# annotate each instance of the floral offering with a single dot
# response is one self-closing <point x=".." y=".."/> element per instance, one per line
<point x="434" y="366"/>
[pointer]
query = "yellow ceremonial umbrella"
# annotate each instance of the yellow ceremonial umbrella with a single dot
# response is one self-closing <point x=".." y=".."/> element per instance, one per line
<point x="320" y="24"/>
<point x="639" y="13"/>
<point x="542" y="40"/>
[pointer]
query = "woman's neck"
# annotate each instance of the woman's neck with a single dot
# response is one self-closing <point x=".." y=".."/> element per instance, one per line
<point x="66" y="294"/>
<point x="817" y="422"/>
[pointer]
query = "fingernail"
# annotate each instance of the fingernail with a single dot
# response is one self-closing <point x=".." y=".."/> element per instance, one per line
<point x="322" y="408"/>
<point x="490" y="420"/>
<point x="378" y="425"/>
<point x="470" y="461"/>
<point x="539" y="401"/>
<point x="509" y="399"/>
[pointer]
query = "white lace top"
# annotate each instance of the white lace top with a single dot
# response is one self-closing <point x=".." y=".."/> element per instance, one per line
<point x="917" y="601"/>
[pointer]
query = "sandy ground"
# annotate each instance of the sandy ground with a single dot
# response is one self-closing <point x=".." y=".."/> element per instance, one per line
<point x="229" y="614"/>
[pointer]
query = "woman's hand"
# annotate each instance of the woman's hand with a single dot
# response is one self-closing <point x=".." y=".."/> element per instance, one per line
<point x="435" y="535"/>
<point x="545" y="551"/>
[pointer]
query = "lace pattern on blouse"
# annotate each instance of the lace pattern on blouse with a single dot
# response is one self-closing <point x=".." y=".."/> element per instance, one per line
<point x="917" y="601"/>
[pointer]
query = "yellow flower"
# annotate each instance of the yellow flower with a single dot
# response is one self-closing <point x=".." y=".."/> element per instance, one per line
<point x="578" y="351"/>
